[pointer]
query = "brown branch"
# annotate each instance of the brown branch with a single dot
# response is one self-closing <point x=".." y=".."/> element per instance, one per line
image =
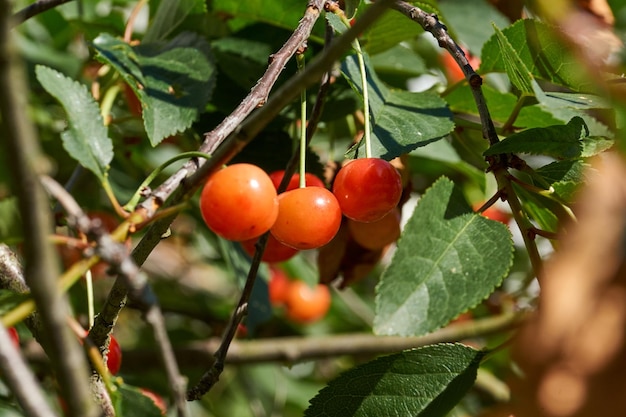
<point x="116" y="254"/>
<point x="297" y="348"/>
<point x="35" y="9"/>
<point x="430" y="22"/>
<point x="40" y="273"/>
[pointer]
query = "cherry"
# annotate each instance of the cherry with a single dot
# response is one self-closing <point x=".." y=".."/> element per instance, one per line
<point x="156" y="398"/>
<point x="378" y="234"/>
<point x="367" y="189"/>
<point x="274" y="250"/>
<point x="133" y="102"/>
<point x="310" y="180"/>
<point x="278" y="286"/>
<point x="239" y="202"/>
<point x="114" y="356"/>
<point x="306" y="304"/>
<point x="307" y="218"/>
<point x="15" y="337"/>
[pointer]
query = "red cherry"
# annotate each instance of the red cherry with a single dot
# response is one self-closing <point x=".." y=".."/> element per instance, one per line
<point x="274" y="250"/>
<point x="156" y="398"/>
<point x="15" y="337"/>
<point x="454" y="73"/>
<point x="307" y="218"/>
<point x="278" y="286"/>
<point x="376" y="235"/>
<point x="133" y="102"/>
<point x="239" y="202"/>
<point x="306" y="304"/>
<point x="114" y="356"/>
<point x="310" y="179"/>
<point x="367" y="189"/>
<point x="494" y="213"/>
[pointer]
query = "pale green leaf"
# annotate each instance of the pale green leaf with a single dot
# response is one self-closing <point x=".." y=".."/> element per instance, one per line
<point x="448" y="260"/>
<point x="86" y="139"/>
<point x="428" y="381"/>
<point x="514" y="66"/>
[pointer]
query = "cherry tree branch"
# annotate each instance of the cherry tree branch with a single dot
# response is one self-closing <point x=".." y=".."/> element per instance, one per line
<point x="40" y="273"/>
<point x="140" y="291"/>
<point x="296" y="349"/>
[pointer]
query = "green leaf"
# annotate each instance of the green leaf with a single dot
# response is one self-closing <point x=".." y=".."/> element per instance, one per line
<point x="462" y="15"/>
<point x="86" y="140"/>
<point x="393" y="28"/>
<point x="558" y="141"/>
<point x="564" y="176"/>
<point x="129" y="401"/>
<point x="541" y="51"/>
<point x="516" y="70"/>
<point x="173" y="80"/>
<point x="401" y="120"/>
<point x="169" y="15"/>
<point x="428" y="381"/>
<point x="448" y="260"/>
<point x="11" y="299"/>
<point x="285" y="13"/>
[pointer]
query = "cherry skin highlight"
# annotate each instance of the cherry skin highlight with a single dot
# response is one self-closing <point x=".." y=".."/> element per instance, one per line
<point x="367" y="189"/>
<point x="114" y="356"/>
<point x="239" y="202"/>
<point x="307" y="218"/>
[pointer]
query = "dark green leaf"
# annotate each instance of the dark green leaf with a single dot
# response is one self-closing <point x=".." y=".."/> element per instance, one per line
<point x="169" y="15"/>
<point x="542" y="52"/>
<point x="428" y="381"/>
<point x="86" y="140"/>
<point x="559" y="141"/>
<point x="448" y="260"/>
<point x="285" y="14"/>
<point x="130" y="402"/>
<point x="564" y="176"/>
<point x="11" y="299"/>
<point x="173" y="80"/>
<point x="401" y="120"/>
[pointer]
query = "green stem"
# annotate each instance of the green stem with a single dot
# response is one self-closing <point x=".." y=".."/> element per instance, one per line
<point x="107" y="102"/>
<point x="132" y="203"/>
<point x="303" y="147"/>
<point x="367" y="136"/>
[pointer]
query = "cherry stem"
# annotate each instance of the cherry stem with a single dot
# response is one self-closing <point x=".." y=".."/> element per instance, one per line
<point x="303" y="116"/>
<point x="367" y="136"/>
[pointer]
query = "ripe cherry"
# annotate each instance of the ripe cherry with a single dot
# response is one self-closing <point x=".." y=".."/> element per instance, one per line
<point x="274" y="250"/>
<point x="278" y="286"/>
<point x="494" y="213"/>
<point x="307" y="218"/>
<point x="310" y="179"/>
<point x="454" y="73"/>
<point x="367" y="189"/>
<point x="378" y="234"/>
<point x="114" y="356"/>
<point x="306" y="304"/>
<point x="239" y="202"/>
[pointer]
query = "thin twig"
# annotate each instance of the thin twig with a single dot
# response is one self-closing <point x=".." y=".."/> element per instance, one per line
<point x="41" y="268"/>
<point x="35" y="9"/>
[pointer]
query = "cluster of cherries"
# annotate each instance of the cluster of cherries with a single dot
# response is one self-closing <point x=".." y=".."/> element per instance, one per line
<point x="240" y="203"/>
